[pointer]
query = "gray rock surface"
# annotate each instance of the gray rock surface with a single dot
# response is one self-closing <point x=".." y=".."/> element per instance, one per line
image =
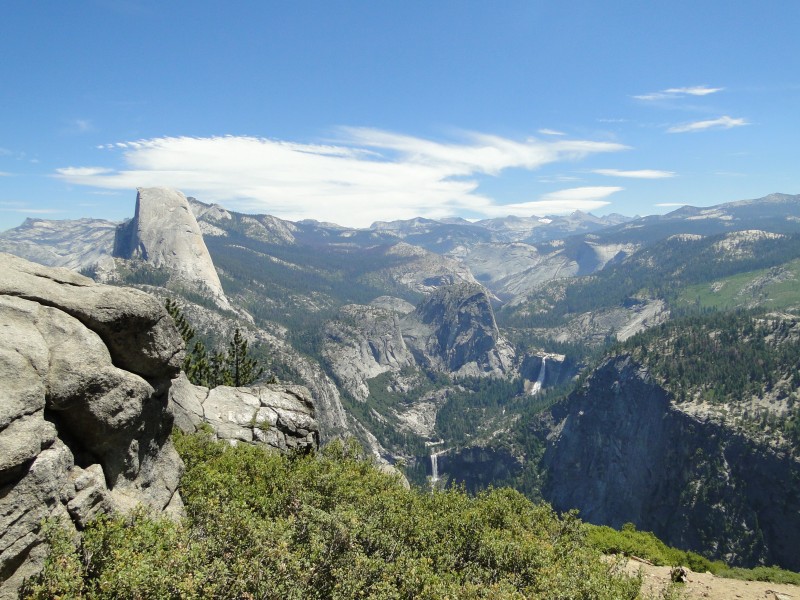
<point x="362" y="343"/>
<point x="277" y="415"/>
<point x="84" y="426"/>
<point x="454" y="330"/>
<point x="164" y="234"/>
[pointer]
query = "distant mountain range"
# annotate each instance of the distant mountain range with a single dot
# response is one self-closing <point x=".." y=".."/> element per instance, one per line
<point x="475" y="339"/>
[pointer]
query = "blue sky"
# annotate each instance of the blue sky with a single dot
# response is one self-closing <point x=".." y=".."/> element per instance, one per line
<point x="359" y="111"/>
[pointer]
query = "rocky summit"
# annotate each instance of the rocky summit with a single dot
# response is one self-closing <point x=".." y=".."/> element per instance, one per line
<point x="164" y="234"/>
<point x="454" y="329"/>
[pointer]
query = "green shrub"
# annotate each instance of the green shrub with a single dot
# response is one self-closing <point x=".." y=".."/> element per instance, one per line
<point x="263" y="525"/>
<point x="644" y="544"/>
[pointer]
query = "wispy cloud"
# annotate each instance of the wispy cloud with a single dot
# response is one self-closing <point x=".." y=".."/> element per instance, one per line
<point x="5" y="174"/>
<point x="551" y="132"/>
<point x="637" y="174"/>
<point x="698" y="90"/>
<point x="31" y="211"/>
<point x="724" y="122"/>
<point x="678" y="92"/>
<point x="366" y="175"/>
<point x="78" y="126"/>
<point x="563" y="201"/>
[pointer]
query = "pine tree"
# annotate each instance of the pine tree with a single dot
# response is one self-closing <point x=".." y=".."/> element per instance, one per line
<point x="187" y="333"/>
<point x="234" y="367"/>
<point x="199" y="368"/>
<point x="242" y="369"/>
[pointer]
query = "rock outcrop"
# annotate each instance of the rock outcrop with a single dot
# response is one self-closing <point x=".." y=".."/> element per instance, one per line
<point x="362" y="343"/>
<point x="277" y="415"/>
<point x="164" y="234"/>
<point x="454" y="330"/>
<point x="620" y="450"/>
<point x="84" y="422"/>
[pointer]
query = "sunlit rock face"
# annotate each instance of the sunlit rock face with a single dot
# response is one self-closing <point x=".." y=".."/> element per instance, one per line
<point x="85" y="371"/>
<point x="164" y="234"/>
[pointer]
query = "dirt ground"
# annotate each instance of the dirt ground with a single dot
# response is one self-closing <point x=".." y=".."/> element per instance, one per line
<point x="705" y="586"/>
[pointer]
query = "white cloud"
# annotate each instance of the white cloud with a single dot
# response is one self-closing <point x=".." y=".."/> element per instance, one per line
<point x="5" y="174"/>
<point x="638" y="174"/>
<point x="724" y="122"/>
<point x="365" y="176"/>
<point x="551" y="132"/>
<point x="563" y="201"/>
<point x="697" y="90"/>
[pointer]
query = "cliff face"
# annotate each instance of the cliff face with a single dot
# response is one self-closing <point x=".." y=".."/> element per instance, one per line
<point x="84" y="425"/>
<point x="164" y="234"/>
<point x="363" y="342"/>
<point x="621" y="451"/>
<point x="454" y="330"/>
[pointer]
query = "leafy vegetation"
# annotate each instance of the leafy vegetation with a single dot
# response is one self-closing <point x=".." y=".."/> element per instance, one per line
<point x="263" y="525"/>
<point x="643" y="544"/>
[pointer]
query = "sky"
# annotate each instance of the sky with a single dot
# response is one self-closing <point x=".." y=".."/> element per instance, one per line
<point x="357" y="111"/>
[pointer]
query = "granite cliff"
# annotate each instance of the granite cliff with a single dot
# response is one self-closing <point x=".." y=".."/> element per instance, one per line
<point x="84" y="425"/>
<point x="454" y="330"/>
<point x="164" y="234"/>
<point x="621" y="450"/>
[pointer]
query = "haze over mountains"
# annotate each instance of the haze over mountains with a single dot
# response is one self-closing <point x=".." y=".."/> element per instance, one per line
<point x="493" y="343"/>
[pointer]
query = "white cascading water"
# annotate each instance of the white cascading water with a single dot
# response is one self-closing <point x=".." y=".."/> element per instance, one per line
<point x="537" y="385"/>
<point x="434" y="467"/>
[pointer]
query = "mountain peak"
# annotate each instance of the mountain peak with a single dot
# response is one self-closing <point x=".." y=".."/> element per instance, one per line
<point x="164" y="233"/>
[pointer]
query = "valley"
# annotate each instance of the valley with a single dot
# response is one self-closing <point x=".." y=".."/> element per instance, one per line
<point x="638" y="370"/>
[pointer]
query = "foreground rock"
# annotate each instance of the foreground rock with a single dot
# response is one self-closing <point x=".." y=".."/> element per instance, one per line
<point x="278" y="415"/>
<point x="85" y="371"/>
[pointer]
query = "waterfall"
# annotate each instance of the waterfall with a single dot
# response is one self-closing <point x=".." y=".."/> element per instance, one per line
<point x="537" y="385"/>
<point x="434" y="467"/>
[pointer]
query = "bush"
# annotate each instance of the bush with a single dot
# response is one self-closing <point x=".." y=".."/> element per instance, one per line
<point x="263" y="525"/>
<point x="644" y="544"/>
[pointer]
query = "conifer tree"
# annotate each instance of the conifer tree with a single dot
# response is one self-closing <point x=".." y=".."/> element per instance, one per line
<point x="187" y="333"/>
<point x="242" y="369"/>
<point x="234" y="367"/>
